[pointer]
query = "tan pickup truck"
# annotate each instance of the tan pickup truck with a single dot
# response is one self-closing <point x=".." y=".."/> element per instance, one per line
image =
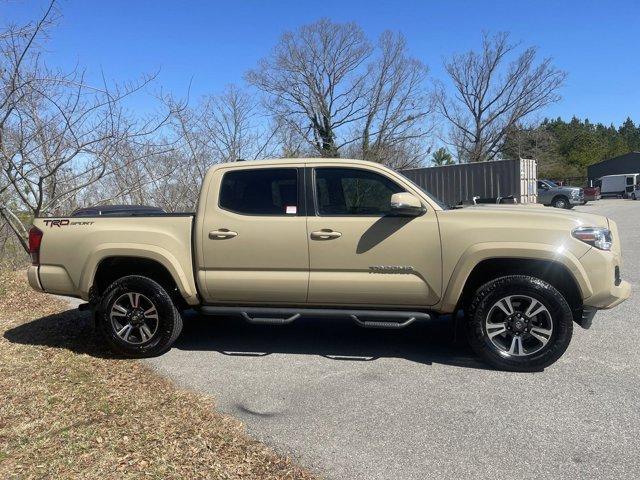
<point x="276" y="240"/>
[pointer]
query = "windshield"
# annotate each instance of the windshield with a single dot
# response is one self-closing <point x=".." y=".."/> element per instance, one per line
<point x="550" y="183"/>
<point x="439" y="202"/>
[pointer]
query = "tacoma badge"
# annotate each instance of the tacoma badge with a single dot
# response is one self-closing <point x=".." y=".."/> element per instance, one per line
<point x="391" y="269"/>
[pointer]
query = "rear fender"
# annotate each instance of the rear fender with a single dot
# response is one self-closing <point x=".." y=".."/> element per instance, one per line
<point x="184" y="280"/>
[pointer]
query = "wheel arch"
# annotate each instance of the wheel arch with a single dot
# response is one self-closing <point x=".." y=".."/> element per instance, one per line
<point x="107" y="265"/>
<point x="483" y="263"/>
<point x="559" y="195"/>
<point x="554" y="273"/>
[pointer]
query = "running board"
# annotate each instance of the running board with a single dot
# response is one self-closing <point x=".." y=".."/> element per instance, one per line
<point x="391" y="319"/>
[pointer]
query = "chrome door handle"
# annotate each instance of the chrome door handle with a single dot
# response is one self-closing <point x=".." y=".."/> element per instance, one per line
<point x="221" y="234"/>
<point x="325" y="234"/>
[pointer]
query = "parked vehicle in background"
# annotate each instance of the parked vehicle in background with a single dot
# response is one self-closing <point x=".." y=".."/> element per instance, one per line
<point x="621" y="185"/>
<point x="550" y="193"/>
<point x="119" y="210"/>
<point x="276" y="240"/>
<point x="591" y="194"/>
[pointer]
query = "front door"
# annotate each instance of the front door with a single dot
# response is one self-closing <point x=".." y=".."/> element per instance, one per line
<point x="254" y="237"/>
<point x="361" y="255"/>
<point x="544" y="194"/>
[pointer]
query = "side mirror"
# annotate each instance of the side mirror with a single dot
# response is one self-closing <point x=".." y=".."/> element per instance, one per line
<point x="406" y="204"/>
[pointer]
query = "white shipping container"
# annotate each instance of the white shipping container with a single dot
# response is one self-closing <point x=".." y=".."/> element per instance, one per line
<point x="528" y="180"/>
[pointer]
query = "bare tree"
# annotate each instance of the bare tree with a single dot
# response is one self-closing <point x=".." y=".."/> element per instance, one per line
<point x="218" y="128"/>
<point x="493" y="94"/>
<point x="57" y="133"/>
<point x="314" y="82"/>
<point x="529" y="140"/>
<point x="396" y="124"/>
<point x="327" y="84"/>
<point x="235" y="128"/>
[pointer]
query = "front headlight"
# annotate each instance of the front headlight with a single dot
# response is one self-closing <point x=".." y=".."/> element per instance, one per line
<point x="595" y="236"/>
<point x="575" y="193"/>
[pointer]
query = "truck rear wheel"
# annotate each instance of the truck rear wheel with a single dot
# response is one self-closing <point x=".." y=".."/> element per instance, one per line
<point x="137" y="317"/>
<point x="519" y="323"/>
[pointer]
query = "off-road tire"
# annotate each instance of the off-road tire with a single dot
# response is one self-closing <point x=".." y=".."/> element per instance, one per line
<point x="169" y="318"/>
<point x="489" y="293"/>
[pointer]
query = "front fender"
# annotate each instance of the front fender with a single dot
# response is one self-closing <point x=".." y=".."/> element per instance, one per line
<point x="518" y="250"/>
<point x="184" y="279"/>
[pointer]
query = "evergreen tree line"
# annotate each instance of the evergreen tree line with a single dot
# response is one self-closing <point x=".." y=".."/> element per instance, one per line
<point x="565" y="149"/>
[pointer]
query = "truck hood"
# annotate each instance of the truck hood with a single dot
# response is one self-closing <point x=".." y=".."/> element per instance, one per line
<point x="534" y="214"/>
<point x="566" y="187"/>
<point x="516" y="225"/>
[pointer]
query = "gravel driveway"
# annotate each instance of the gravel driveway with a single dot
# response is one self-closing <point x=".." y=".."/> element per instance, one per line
<point x="354" y="404"/>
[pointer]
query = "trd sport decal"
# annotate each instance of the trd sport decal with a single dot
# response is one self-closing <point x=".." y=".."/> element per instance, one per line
<point x="64" y="222"/>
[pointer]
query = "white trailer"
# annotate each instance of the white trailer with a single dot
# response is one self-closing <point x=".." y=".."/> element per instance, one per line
<point x="618" y="185"/>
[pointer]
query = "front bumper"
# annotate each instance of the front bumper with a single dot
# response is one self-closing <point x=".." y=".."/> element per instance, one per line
<point x="608" y="289"/>
<point x="611" y="297"/>
<point x="576" y="200"/>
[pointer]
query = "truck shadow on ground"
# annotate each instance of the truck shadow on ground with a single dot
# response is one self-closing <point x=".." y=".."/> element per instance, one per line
<point x="72" y="330"/>
<point x="340" y="340"/>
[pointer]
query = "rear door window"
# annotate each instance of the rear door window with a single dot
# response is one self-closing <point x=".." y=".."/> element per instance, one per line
<point x="262" y="191"/>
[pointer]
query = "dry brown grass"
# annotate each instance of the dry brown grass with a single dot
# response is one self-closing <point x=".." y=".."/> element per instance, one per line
<point x="70" y="410"/>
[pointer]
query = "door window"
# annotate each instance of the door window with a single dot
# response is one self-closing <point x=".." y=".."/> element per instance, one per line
<point x="351" y="191"/>
<point x="263" y="191"/>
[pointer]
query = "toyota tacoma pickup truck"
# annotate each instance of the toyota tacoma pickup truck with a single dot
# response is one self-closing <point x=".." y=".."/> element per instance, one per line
<point x="272" y="241"/>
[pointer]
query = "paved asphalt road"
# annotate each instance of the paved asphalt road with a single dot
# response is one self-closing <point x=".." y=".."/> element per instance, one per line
<point x="354" y="404"/>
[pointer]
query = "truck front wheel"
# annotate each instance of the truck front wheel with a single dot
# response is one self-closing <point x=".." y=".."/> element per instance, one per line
<point x="137" y="317"/>
<point x="561" y="202"/>
<point x="519" y="323"/>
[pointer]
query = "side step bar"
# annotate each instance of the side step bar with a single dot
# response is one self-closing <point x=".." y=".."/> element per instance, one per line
<point x="270" y="320"/>
<point x="392" y="319"/>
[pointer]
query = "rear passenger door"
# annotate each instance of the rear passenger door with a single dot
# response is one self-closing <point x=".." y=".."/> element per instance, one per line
<point x="254" y="237"/>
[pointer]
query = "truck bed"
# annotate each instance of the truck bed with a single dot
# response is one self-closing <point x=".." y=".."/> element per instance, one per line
<point x="72" y="248"/>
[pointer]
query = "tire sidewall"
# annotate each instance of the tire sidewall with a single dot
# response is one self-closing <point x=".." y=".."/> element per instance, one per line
<point x="553" y="300"/>
<point x="160" y="299"/>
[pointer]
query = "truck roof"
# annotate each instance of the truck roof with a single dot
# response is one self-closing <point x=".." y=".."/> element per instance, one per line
<point x="284" y="161"/>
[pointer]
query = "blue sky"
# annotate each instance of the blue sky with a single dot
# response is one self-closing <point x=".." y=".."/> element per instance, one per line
<point x="213" y="43"/>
